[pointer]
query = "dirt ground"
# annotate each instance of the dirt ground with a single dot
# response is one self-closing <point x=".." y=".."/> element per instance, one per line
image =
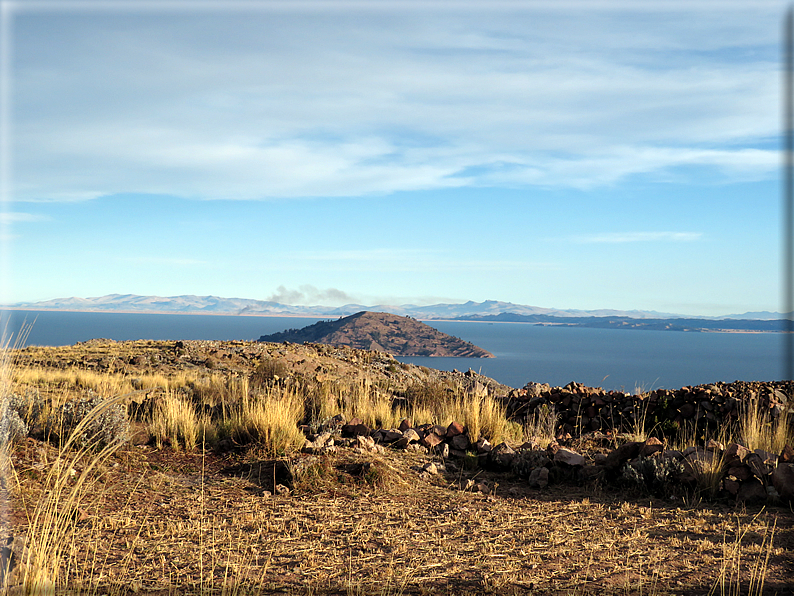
<point x="159" y="521"/>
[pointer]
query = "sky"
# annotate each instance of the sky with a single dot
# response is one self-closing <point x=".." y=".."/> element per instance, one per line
<point x="581" y="154"/>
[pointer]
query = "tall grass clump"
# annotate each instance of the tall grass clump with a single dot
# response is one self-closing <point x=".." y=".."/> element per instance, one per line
<point x="483" y="415"/>
<point x="217" y="389"/>
<point x="269" y="417"/>
<point x="706" y="466"/>
<point x="758" y="429"/>
<point x="371" y="406"/>
<point x="174" y="421"/>
<point x="541" y="425"/>
<point x="350" y="399"/>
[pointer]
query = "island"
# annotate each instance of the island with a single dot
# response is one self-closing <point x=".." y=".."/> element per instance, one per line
<point x="382" y="332"/>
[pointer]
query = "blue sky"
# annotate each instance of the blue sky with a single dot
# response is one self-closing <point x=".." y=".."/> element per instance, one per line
<point x="570" y="154"/>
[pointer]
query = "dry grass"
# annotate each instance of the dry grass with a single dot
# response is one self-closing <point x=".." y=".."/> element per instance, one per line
<point x="270" y="418"/>
<point x="745" y="566"/>
<point x="357" y="399"/>
<point x="265" y="407"/>
<point x="483" y="416"/>
<point x="207" y="388"/>
<point x="541" y="426"/>
<point x="52" y="524"/>
<point x="758" y="430"/>
<point x="271" y="414"/>
<point x="174" y="421"/>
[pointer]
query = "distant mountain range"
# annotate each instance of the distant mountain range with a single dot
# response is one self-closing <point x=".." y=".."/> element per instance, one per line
<point x="489" y="309"/>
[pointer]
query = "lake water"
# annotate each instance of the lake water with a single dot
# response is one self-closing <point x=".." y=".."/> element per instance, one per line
<point x="609" y="358"/>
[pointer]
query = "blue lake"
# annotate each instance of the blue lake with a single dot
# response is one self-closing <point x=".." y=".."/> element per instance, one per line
<point x="609" y="358"/>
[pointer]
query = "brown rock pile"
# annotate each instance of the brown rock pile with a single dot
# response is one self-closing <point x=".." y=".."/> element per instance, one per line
<point x="445" y="441"/>
<point x="713" y="471"/>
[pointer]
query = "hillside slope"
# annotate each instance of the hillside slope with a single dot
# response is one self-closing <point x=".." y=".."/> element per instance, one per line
<point x="399" y="336"/>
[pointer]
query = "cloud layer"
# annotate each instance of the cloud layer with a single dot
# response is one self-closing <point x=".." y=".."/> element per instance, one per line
<point x="331" y="101"/>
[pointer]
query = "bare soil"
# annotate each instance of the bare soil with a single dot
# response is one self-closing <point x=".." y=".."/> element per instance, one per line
<point x="162" y="521"/>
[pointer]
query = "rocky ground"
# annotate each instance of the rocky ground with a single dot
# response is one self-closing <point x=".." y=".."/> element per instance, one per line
<point x="414" y="510"/>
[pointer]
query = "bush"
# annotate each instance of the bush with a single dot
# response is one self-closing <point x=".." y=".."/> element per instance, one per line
<point x="12" y="427"/>
<point x="105" y="426"/>
<point x="267" y="371"/>
<point x="21" y="415"/>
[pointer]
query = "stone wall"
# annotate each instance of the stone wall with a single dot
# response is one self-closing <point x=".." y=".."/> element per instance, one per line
<point x="580" y="409"/>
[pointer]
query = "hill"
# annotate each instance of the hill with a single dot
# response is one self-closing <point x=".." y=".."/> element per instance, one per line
<point x="399" y="336"/>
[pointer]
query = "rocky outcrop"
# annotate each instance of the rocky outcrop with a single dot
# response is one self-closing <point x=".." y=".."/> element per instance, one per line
<point x="382" y="332"/>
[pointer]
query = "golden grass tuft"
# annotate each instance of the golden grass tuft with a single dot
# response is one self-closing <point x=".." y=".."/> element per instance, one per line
<point x="541" y="426"/>
<point x="269" y="417"/>
<point x="758" y="429"/>
<point x="483" y="416"/>
<point x="174" y="421"/>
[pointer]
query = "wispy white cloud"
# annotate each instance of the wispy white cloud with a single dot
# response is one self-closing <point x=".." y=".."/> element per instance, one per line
<point x="10" y="217"/>
<point x="623" y="237"/>
<point x="239" y="105"/>
<point x="373" y="255"/>
<point x="166" y="261"/>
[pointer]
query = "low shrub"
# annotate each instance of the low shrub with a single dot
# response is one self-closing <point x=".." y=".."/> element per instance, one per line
<point x="12" y="427"/>
<point x="267" y="371"/>
<point x="108" y="426"/>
